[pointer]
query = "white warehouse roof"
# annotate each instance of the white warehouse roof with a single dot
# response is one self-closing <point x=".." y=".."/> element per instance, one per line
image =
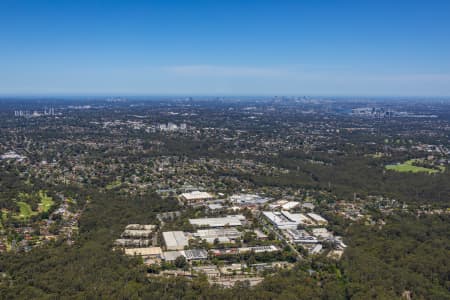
<point x="290" y="205"/>
<point x="150" y="251"/>
<point x="298" y="218"/>
<point x="317" y="218"/>
<point x="231" y="220"/>
<point x="280" y="220"/>
<point x="196" y="195"/>
<point x="217" y="233"/>
<point x="175" y="240"/>
<point x="140" y="227"/>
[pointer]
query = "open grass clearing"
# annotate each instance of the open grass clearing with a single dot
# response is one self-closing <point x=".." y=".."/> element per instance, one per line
<point x="408" y="166"/>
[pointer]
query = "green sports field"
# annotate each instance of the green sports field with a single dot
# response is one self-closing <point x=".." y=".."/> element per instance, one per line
<point x="408" y="166"/>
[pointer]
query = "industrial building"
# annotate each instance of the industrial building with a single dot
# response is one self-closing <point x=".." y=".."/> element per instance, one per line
<point x="190" y="255"/>
<point x="290" y="205"/>
<point x="215" y="206"/>
<point x="300" y="219"/>
<point x="138" y="231"/>
<point x="284" y="204"/>
<point x="175" y="240"/>
<point x="149" y="252"/>
<point x="128" y="233"/>
<point x="171" y="256"/>
<point x="196" y="254"/>
<point x="287" y="220"/>
<point x="300" y="237"/>
<point x="322" y="233"/>
<point x="248" y="200"/>
<point x="223" y="235"/>
<point x="132" y="242"/>
<point x="258" y="249"/>
<point x="136" y="235"/>
<point x="279" y="220"/>
<point x="318" y="219"/>
<point x="231" y="220"/>
<point x="227" y="251"/>
<point x="196" y="197"/>
<point x="140" y="227"/>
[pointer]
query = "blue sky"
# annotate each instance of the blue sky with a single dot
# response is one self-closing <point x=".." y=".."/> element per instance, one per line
<point x="303" y="47"/>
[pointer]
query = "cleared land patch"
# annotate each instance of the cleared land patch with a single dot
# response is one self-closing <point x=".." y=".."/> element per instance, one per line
<point x="25" y="210"/>
<point x="408" y="166"/>
<point x="46" y="201"/>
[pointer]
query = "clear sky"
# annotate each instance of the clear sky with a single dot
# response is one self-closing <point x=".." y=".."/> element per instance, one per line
<point x="303" y="47"/>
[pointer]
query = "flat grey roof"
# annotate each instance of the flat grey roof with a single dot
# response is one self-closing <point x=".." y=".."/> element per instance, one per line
<point x="175" y="239"/>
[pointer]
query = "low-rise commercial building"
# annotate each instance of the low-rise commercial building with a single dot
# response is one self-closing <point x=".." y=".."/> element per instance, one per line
<point x="132" y="242"/>
<point x="287" y="220"/>
<point x="231" y="220"/>
<point x="128" y="233"/>
<point x="290" y="205"/>
<point x="140" y="227"/>
<point x="190" y="255"/>
<point x="300" y="219"/>
<point x="171" y="256"/>
<point x="259" y="249"/>
<point x="300" y="236"/>
<point x="318" y="219"/>
<point x="279" y="220"/>
<point x="175" y="240"/>
<point x="322" y="233"/>
<point x="248" y="200"/>
<point x="223" y="235"/>
<point x="149" y="252"/>
<point x="196" y="197"/>
<point x="196" y="254"/>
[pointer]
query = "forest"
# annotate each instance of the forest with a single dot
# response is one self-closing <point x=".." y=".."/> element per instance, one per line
<point x="410" y="253"/>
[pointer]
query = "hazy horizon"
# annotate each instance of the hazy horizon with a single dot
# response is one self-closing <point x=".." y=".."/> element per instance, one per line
<point x="328" y="48"/>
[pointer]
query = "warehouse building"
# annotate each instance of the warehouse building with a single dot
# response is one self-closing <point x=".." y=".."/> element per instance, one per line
<point x="300" y="237"/>
<point x="140" y="227"/>
<point x="300" y="219"/>
<point x="138" y="231"/>
<point x="287" y="220"/>
<point x="190" y="255"/>
<point x="132" y="242"/>
<point x="149" y="252"/>
<point x="171" y="256"/>
<point x="280" y="220"/>
<point x="175" y="240"/>
<point x="248" y="200"/>
<point x="322" y="233"/>
<point x="258" y="249"/>
<point x="136" y="234"/>
<point x="318" y="219"/>
<point x="196" y="197"/>
<point x="223" y="235"/>
<point x="231" y="220"/>
<point x="196" y="254"/>
<point x="284" y="204"/>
